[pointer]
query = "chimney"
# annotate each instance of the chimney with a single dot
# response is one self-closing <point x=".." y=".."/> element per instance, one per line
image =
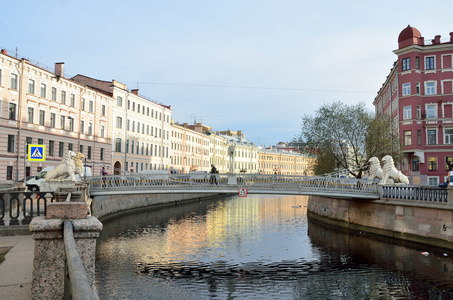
<point x="436" y="40"/>
<point x="134" y="91"/>
<point x="4" y="52"/>
<point x="451" y="36"/>
<point x="59" y="69"/>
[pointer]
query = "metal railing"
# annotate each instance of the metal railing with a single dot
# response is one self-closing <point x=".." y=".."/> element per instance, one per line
<point x="22" y="207"/>
<point x="207" y="181"/>
<point x="78" y="283"/>
<point x="431" y="194"/>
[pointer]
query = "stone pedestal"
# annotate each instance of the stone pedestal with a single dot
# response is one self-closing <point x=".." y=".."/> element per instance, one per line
<point x="49" y="255"/>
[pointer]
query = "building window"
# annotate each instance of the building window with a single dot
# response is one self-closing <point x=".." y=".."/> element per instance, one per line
<point x="431" y="111"/>
<point x="11" y="140"/>
<point x="415" y="164"/>
<point x="119" y="101"/>
<point x="433" y="181"/>
<point x="90" y="128"/>
<point x="128" y="104"/>
<point x="133" y="126"/>
<point x="133" y="106"/>
<point x="31" y="86"/>
<point x="431" y="133"/>
<point x="43" y="90"/>
<point x="417" y="63"/>
<point x="70" y="146"/>
<point x="449" y="163"/>
<point x="52" y="120"/>
<point x="132" y="146"/>
<point x="419" y="112"/>
<point x="82" y="104"/>
<point x="82" y="126"/>
<point x="40" y="141"/>
<point x="12" y="111"/>
<point x="119" y="122"/>
<point x="127" y="146"/>
<point x="60" y="149"/>
<point x="102" y="131"/>
<point x="71" y="123"/>
<point x="72" y="101"/>
<point x="407" y="138"/>
<point x="102" y="154"/>
<point x="406" y="89"/>
<point x="90" y="106"/>
<point x="448" y="136"/>
<point x="432" y="163"/>
<point x="13" y="82"/>
<point x="81" y="148"/>
<point x="407" y="114"/>
<point x="419" y="137"/>
<point x="89" y="152"/>
<point x="406" y="64"/>
<point x="117" y="145"/>
<point x="9" y="173"/>
<point x="30" y="115"/>
<point x="417" y="88"/>
<point x="429" y="63"/>
<point x="103" y="110"/>
<point x="430" y="88"/>
<point x="51" y="148"/>
<point x="42" y="117"/>
<point x="54" y="94"/>
<point x="62" y="122"/>
<point x="63" y="97"/>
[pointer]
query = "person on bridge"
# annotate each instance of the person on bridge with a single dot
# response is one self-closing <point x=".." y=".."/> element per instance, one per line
<point x="213" y="176"/>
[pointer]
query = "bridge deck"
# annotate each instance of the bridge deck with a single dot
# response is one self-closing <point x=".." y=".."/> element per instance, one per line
<point x="231" y="183"/>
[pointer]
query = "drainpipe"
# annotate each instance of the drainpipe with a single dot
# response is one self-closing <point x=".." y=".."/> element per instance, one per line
<point x="19" y="118"/>
<point x="80" y="117"/>
<point x="125" y="130"/>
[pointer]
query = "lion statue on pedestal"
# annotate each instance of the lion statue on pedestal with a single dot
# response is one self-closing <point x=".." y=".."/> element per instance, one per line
<point x="390" y="172"/>
<point x="68" y="168"/>
<point x="375" y="169"/>
<point x="78" y="162"/>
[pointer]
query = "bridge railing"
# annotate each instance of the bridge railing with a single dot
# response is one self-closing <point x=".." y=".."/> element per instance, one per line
<point x="22" y="207"/>
<point x="431" y="194"/>
<point x="263" y="181"/>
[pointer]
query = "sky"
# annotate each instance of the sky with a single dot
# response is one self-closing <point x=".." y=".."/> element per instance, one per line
<point x="253" y="65"/>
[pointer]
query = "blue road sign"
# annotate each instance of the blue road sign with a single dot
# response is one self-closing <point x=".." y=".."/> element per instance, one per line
<point x="36" y="152"/>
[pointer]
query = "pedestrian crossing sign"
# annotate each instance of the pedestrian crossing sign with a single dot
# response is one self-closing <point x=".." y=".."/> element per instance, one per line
<point x="36" y="152"/>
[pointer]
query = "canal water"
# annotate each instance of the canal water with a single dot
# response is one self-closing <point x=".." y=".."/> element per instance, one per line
<point x="259" y="247"/>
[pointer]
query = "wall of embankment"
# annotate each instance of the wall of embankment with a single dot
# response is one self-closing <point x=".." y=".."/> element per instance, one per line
<point x="103" y="206"/>
<point x="416" y="221"/>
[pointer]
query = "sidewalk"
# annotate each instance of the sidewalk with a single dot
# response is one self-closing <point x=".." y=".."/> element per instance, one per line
<point x="16" y="270"/>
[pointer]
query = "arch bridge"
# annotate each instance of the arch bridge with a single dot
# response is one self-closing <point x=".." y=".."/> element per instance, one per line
<point x="233" y="184"/>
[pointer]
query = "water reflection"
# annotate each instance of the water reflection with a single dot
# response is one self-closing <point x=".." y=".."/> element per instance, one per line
<point x="260" y="247"/>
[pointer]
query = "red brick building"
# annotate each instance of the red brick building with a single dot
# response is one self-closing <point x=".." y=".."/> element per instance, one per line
<point x="418" y="96"/>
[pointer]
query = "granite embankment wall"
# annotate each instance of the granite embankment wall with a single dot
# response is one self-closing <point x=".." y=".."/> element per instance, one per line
<point x="103" y="206"/>
<point x="417" y="221"/>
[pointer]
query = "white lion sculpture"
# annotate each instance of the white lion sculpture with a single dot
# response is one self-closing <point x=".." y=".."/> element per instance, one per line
<point x="78" y="170"/>
<point x="65" y="170"/>
<point x="375" y="169"/>
<point x="390" y="172"/>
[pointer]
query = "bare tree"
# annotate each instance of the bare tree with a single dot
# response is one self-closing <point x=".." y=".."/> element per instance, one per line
<point x="346" y="135"/>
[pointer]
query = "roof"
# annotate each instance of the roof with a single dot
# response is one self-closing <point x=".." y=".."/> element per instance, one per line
<point x="409" y="33"/>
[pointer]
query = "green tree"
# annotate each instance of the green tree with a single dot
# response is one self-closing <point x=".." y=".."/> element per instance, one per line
<point x="345" y="136"/>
